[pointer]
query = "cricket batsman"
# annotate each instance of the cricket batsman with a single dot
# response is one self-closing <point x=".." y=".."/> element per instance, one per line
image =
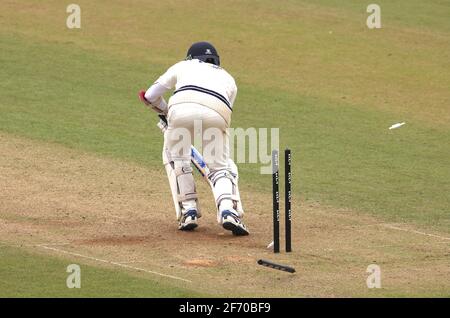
<point x="203" y="93"/>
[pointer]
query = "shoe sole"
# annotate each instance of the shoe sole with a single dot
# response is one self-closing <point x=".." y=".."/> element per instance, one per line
<point x="188" y="227"/>
<point x="237" y="230"/>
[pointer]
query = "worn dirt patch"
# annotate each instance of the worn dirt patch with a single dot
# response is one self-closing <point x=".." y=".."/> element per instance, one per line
<point x="200" y="263"/>
<point x="122" y="212"/>
<point x="115" y="240"/>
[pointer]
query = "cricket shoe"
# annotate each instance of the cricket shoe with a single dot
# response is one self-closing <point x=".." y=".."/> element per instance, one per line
<point x="188" y="221"/>
<point x="232" y="222"/>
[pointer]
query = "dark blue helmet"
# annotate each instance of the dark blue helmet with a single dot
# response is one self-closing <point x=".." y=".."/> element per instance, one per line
<point x="205" y="52"/>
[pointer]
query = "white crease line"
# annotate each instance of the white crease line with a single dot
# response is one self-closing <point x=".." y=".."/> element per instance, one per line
<point x="34" y="245"/>
<point x="51" y="244"/>
<point x="113" y="263"/>
<point x="414" y="231"/>
<point x="130" y="262"/>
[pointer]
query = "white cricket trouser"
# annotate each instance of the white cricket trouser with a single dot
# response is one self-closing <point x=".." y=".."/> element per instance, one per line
<point x="189" y="123"/>
<point x="193" y="121"/>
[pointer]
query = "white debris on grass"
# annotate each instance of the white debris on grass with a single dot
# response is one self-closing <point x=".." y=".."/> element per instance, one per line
<point x="397" y="125"/>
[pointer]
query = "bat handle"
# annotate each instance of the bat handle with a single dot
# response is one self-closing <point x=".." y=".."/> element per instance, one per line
<point x="163" y="118"/>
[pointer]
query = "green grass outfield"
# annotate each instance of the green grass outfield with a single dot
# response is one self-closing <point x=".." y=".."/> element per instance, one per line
<point x="30" y="275"/>
<point x="311" y="68"/>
